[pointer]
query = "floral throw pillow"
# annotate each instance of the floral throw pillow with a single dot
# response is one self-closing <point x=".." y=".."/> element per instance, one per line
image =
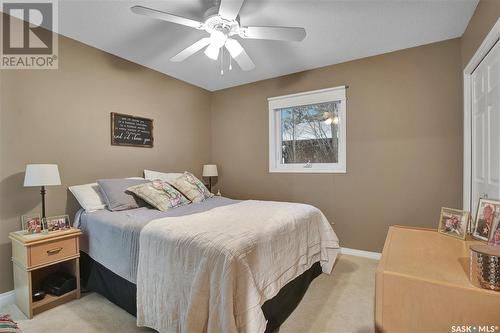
<point x="159" y="194"/>
<point x="191" y="187"/>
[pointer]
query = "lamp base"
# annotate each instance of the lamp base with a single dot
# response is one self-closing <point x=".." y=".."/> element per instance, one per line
<point x="209" y="185"/>
<point x="42" y="192"/>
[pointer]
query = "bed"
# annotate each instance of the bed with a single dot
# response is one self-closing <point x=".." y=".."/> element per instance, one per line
<point x="176" y="273"/>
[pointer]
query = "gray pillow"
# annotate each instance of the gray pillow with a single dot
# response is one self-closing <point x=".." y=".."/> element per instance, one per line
<point x="116" y="195"/>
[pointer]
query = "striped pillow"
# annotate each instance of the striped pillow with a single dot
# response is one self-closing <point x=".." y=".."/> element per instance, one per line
<point x="7" y="325"/>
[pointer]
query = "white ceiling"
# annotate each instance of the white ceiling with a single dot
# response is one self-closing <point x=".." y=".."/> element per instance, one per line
<point x="337" y="31"/>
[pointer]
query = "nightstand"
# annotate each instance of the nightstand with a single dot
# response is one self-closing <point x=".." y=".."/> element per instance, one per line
<point x="34" y="257"/>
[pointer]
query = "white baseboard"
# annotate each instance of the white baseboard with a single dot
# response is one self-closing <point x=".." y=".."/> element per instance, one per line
<point x="7" y="298"/>
<point x="361" y="253"/>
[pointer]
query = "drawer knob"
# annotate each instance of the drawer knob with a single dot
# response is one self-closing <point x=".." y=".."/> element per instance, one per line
<point x="54" y="251"/>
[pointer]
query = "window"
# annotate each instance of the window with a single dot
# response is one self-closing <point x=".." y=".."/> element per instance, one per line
<point x="307" y="132"/>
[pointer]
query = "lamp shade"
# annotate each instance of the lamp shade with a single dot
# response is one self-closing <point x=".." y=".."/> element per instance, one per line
<point x="42" y="175"/>
<point x="210" y="170"/>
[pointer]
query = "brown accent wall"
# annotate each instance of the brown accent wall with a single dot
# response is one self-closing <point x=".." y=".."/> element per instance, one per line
<point x="404" y="142"/>
<point x="485" y="16"/>
<point x="62" y="116"/>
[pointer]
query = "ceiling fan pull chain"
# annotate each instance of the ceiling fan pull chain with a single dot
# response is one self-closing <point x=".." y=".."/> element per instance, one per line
<point x="222" y="62"/>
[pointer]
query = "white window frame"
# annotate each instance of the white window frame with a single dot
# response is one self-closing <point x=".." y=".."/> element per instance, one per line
<point x="305" y="98"/>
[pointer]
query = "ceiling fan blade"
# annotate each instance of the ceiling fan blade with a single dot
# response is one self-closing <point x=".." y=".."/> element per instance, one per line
<point x="190" y="50"/>
<point x="244" y="61"/>
<point x="229" y="9"/>
<point x="274" y="33"/>
<point x="157" y="14"/>
<point x="239" y="55"/>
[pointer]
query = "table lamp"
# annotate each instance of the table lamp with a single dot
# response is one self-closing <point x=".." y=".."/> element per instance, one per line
<point x="209" y="171"/>
<point x="42" y="175"/>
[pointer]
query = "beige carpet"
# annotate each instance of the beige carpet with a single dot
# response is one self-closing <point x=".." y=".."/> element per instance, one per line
<point x="341" y="302"/>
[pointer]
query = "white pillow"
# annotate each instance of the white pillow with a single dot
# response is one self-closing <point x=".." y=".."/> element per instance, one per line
<point x="89" y="196"/>
<point x="166" y="177"/>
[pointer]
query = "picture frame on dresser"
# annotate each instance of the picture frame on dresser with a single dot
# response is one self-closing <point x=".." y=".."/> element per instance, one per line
<point x="494" y="237"/>
<point x="487" y="214"/>
<point x="453" y="222"/>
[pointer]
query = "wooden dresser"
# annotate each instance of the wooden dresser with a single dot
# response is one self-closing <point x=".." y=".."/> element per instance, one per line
<point x="422" y="285"/>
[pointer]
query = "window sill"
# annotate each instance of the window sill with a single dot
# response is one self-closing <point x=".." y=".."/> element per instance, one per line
<point x="307" y="171"/>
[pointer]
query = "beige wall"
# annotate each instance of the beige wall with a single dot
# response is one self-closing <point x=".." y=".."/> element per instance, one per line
<point x="404" y="142"/>
<point x="486" y="14"/>
<point x="62" y="116"/>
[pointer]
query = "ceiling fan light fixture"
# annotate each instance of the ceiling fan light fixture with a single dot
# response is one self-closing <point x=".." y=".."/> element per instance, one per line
<point x="212" y="51"/>
<point x="234" y="47"/>
<point x="218" y="38"/>
<point x="222" y="21"/>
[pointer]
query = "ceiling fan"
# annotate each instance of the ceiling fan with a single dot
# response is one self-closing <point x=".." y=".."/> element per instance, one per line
<point x="223" y="24"/>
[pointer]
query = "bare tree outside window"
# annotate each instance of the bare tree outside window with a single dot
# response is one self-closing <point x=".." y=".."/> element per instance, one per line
<point x="309" y="133"/>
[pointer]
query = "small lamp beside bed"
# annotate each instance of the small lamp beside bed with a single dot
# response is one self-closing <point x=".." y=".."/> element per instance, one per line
<point x="42" y="175"/>
<point x="209" y="171"/>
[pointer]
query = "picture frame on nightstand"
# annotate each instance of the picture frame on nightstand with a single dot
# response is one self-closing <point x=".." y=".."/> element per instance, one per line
<point x="32" y="224"/>
<point x="56" y="223"/>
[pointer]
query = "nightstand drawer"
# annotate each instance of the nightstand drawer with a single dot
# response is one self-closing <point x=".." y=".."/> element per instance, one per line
<point x="52" y="251"/>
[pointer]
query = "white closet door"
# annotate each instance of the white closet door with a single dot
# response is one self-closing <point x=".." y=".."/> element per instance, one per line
<point x="486" y="128"/>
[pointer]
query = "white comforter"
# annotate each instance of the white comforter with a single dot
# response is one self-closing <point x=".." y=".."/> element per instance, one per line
<point x="212" y="271"/>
